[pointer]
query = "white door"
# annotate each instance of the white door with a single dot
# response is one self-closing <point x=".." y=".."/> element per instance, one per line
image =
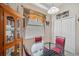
<point x="68" y="31"/>
<point x="57" y="28"/>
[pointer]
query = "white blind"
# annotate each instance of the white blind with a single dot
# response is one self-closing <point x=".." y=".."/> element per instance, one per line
<point x="34" y="31"/>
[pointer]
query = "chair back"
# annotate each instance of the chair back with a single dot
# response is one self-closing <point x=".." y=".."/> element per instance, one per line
<point x="60" y="42"/>
<point x="38" y="39"/>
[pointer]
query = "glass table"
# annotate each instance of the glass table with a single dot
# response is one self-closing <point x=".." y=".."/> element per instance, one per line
<point x="47" y="51"/>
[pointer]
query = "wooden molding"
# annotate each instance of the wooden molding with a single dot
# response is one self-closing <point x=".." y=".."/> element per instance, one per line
<point x="10" y="10"/>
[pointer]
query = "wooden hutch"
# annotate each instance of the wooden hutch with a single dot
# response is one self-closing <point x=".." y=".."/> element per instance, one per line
<point x="10" y="31"/>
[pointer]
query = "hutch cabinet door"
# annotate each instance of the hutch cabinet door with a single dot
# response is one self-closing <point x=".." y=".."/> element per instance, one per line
<point x="9" y="28"/>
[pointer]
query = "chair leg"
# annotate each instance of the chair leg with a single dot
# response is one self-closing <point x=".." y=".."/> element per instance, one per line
<point x="62" y="53"/>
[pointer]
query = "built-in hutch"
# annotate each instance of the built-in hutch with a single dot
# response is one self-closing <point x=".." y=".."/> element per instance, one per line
<point x="10" y="31"/>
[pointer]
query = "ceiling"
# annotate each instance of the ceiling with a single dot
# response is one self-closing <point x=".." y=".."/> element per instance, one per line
<point x="42" y="7"/>
<point x="49" y="5"/>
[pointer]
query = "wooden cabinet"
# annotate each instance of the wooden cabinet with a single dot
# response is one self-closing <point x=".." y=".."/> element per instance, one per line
<point x="1" y="31"/>
<point x="10" y="43"/>
<point x="19" y="38"/>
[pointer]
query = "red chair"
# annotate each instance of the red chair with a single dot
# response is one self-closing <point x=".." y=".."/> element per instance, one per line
<point x="38" y="39"/>
<point x="37" y="47"/>
<point x="59" y="47"/>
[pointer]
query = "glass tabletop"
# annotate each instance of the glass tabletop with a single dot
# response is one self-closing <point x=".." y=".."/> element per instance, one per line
<point x="49" y="45"/>
<point x="47" y="49"/>
<point x="48" y="52"/>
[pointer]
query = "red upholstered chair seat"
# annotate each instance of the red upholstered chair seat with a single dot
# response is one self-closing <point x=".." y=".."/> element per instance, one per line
<point x="57" y="50"/>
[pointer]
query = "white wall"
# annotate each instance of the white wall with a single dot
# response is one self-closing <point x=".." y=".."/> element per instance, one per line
<point x="48" y="30"/>
<point x="74" y="11"/>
